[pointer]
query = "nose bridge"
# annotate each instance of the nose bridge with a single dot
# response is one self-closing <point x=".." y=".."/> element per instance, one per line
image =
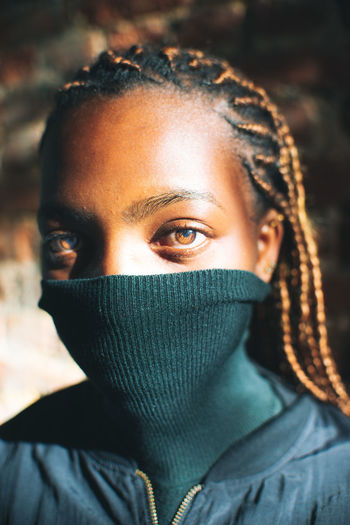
<point x="120" y="256"/>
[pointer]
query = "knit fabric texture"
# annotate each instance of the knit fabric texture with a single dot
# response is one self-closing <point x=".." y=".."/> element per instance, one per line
<point x="168" y="354"/>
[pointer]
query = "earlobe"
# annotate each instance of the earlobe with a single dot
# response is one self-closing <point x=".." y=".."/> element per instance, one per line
<point x="269" y="268"/>
<point x="270" y="235"/>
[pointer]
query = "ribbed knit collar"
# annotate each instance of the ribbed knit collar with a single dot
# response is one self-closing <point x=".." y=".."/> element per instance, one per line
<point x="168" y="354"/>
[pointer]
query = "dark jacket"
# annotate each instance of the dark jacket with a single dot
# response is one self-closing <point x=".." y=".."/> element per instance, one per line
<point x="58" y="467"/>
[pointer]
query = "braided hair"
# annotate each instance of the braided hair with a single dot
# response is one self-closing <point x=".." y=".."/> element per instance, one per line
<point x="271" y="161"/>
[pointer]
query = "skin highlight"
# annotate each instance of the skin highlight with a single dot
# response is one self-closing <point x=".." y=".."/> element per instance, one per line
<point x="148" y="183"/>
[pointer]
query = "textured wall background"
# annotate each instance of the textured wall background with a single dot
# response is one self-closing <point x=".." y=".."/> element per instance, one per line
<point x="298" y="49"/>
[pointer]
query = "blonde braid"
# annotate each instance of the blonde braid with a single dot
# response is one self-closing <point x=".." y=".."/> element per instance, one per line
<point x="322" y="377"/>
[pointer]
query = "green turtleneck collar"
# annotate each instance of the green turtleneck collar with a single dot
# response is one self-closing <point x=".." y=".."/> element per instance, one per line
<point x="237" y="401"/>
<point x="167" y="352"/>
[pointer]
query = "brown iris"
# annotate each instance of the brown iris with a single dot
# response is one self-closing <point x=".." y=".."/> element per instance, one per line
<point x="185" y="236"/>
<point x="64" y="243"/>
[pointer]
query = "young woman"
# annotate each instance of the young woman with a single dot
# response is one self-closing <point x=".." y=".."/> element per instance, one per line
<point x="172" y="204"/>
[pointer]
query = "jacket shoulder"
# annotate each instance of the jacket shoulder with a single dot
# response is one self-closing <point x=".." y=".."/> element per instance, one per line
<point x="68" y="417"/>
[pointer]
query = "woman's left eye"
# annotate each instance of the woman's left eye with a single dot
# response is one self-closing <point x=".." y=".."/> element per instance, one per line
<point x="182" y="238"/>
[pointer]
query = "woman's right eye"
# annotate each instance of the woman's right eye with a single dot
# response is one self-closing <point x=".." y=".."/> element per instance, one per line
<point x="61" y="244"/>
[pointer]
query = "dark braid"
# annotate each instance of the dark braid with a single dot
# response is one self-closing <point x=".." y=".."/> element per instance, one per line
<point x="272" y="163"/>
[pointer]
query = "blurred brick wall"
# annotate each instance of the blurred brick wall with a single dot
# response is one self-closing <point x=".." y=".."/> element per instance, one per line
<point x="297" y="49"/>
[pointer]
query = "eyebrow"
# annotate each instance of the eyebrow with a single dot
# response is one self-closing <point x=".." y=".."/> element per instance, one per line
<point x="64" y="213"/>
<point x="134" y="213"/>
<point x="144" y="208"/>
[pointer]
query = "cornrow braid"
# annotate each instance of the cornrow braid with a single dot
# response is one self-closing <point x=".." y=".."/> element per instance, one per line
<point x="272" y="164"/>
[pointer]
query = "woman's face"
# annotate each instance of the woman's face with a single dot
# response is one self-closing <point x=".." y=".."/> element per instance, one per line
<point x="148" y="183"/>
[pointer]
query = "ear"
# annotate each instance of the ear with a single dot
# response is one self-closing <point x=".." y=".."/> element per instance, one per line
<point x="269" y="237"/>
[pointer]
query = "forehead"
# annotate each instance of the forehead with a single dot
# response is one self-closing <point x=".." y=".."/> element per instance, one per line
<point x="145" y="138"/>
<point x="144" y="116"/>
<point x="158" y="108"/>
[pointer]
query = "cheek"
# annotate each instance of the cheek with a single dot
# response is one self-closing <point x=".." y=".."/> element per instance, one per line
<point x="237" y="250"/>
<point x="238" y="244"/>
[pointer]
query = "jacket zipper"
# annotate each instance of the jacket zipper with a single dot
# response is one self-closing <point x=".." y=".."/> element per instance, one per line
<point x="152" y="503"/>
